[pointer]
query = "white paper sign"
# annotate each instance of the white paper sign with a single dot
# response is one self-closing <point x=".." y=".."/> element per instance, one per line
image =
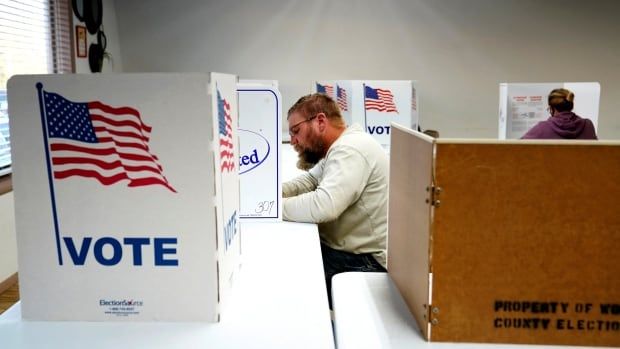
<point x="260" y="115"/>
<point x="123" y="209"/>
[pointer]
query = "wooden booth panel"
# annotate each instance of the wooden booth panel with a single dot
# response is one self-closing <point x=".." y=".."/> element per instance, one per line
<point x="411" y="157"/>
<point x="526" y="243"/>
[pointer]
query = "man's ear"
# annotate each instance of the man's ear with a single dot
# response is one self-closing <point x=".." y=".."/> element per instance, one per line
<point x="322" y="120"/>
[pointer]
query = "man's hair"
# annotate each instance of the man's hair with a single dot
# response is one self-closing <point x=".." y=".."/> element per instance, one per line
<point x="561" y="99"/>
<point x="312" y="104"/>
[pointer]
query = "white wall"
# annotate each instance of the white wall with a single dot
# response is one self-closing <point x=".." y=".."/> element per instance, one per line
<point x="459" y="51"/>
<point x="110" y="28"/>
<point x="8" y="244"/>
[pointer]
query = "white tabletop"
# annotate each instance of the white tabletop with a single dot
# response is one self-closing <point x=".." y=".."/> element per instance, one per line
<point x="369" y="312"/>
<point x="278" y="301"/>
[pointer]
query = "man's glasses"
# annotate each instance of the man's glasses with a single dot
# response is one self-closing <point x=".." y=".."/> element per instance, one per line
<point x="294" y="130"/>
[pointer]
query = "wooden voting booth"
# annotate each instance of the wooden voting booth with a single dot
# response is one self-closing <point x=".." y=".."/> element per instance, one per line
<point x="507" y="241"/>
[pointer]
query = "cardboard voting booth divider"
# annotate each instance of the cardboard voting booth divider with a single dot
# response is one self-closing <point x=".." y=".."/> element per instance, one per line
<point x="326" y="87"/>
<point x="374" y="104"/>
<point x="261" y="82"/>
<point x="388" y="101"/>
<point x="523" y="105"/>
<point x="343" y="92"/>
<point x="506" y="241"/>
<point x="126" y="195"/>
<point x="260" y="115"/>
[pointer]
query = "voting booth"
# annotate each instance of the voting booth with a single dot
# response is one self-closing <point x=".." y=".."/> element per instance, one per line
<point x="260" y="115"/>
<point x="374" y="104"/>
<point x="523" y="105"/>
<point x="506" y="241"/>
<point x="126" y="195"/>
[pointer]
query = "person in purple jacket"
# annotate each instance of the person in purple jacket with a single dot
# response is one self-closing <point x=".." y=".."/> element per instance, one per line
<point x="563" y="123"/>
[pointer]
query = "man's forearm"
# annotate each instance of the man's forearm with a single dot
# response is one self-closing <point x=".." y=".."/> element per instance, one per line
<point x="302" y="184"/>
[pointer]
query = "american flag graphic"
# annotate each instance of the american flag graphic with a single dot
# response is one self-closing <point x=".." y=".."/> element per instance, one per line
<point x="227" y="155"/>
<point x="326" y="89"/>
<point x="95" y="140"/>
<point x="379" y="99"/>
<point x="341" y="98"/>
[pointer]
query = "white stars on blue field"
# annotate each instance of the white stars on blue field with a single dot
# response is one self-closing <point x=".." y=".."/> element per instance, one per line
<point x="68" y="119"/>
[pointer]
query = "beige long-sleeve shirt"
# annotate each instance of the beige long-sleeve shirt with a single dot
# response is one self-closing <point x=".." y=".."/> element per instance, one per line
<point x="346" y="194"/>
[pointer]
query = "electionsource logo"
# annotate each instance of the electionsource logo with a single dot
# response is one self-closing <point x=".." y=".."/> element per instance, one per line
<point x="254" y="150"/>
<point x="120" y="307"/>
<point x="124" y="302"/>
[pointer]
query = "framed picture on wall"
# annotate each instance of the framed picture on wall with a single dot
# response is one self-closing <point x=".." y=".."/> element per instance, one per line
<point x="80" y="39"/>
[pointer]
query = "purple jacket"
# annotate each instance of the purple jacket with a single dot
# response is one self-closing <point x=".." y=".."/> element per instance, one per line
<point x="565" y="125"/>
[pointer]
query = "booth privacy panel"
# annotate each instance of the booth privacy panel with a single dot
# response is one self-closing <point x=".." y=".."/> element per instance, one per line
<point x="408" y="249"/>
<point x="526" y="243"/>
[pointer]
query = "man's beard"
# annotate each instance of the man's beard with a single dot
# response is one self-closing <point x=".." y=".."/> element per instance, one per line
<point x="311" y="155"/>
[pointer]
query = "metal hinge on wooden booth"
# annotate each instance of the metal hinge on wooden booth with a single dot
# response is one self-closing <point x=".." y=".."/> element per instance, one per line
<point x="434" y="192"/>
<point x="432" y="314"/>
